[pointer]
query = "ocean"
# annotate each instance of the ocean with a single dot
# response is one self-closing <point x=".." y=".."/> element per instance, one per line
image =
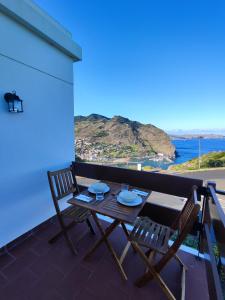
<point x="189" y="149"/>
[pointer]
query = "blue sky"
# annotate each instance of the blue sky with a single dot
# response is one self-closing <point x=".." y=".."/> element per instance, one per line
<point x="159" y="62"/>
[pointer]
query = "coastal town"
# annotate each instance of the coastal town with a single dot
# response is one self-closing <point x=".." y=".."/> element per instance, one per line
<point x="100" y="152"/>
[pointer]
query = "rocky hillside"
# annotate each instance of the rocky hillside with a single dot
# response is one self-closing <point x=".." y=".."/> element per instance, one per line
<point x="102" y="138"/>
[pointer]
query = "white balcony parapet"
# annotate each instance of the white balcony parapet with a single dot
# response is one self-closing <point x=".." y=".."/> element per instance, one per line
<point x="35" y="19"/>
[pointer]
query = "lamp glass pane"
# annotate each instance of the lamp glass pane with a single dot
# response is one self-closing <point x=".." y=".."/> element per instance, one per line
<point x="16" y="105"/>
<point x="11" y="107"/>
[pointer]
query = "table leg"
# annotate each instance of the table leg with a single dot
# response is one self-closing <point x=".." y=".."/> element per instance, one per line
<point x="105" y="234"/>
<point x="124" y="253"/>
<point x="127" y="234"/>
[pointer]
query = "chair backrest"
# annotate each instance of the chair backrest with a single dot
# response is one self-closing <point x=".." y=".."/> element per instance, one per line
<point x="62" y="183"/>
<point x="183" y="224"/>
<point x="186" y="219"/>
<point x="185" y="214"/>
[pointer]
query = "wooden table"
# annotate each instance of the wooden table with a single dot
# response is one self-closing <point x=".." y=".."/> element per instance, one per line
<point x="120" y="213"/>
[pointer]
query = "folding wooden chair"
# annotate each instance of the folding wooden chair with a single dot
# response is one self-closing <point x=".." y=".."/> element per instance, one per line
<point x="155" y="237"/>
<point x="62" y="184"/>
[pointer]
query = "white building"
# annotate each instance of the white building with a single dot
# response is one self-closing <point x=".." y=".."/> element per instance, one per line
<point x="36" y="60"/>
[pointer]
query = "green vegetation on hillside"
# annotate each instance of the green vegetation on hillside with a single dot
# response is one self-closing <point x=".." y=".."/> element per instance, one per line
<point x="101" y="133"/>
<point x="147" y="168"/>
<point x="120" y="151"/>
<point x="210" y="160"/>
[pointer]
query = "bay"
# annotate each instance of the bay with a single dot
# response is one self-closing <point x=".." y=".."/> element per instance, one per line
<point x="186" y="150"/>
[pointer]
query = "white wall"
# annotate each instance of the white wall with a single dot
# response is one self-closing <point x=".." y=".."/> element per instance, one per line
<point x="40" y="138"/>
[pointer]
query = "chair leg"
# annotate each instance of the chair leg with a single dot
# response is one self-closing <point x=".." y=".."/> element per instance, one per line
<point x="144" y="279"/>
<point x="183" y="276"/>
<point x="65" y="233"/>
<point x="90" y="226"/>
<point x="124" y="253"/>
<point x="127" y="234"/>
<point x="72" y="248"/>
<point x="150" y="254"/>
<point x="60" y="233"/>
<point x="183" y="280"/>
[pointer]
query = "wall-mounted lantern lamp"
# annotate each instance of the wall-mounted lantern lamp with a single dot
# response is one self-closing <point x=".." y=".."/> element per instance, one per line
<point x="15" y="104"/>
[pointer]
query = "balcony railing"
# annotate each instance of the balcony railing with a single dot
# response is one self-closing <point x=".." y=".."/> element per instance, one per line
<point x="213" y="241"/>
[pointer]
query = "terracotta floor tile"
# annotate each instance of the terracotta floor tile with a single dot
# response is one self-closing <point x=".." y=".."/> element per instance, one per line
<point x="19" y="287"/>
<point x="85" y="294"/>
<point x="23" y="283"/>
<point x="48" y="282"/>
<point x="14" y="269"/>
<point x="6" y="259"/>
<point x="74" y="282"/>
<point x="18" y="250"/>
<point x="3" y="281"/>
<point x="41" y="271"/>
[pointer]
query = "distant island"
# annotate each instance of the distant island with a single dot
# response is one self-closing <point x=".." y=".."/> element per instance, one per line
<point x="119" y="139"/>
<point x="196" y="136"/>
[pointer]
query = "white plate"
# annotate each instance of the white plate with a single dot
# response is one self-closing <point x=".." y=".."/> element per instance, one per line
<point x="136" y="202"/>
<point x="92" y="190"/>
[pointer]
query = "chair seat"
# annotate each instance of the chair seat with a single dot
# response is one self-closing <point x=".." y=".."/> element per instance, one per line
<point x="151" y="234"/>
<point x="78" y="214"/>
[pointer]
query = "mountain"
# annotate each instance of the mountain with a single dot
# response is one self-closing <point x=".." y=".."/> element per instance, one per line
<point x="102" y="138"/>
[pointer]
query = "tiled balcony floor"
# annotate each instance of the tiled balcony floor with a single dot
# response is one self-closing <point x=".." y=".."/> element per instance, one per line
<point x="36" y="270"/>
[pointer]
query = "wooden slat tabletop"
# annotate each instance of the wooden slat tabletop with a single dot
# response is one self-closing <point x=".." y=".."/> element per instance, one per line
<point x="109" y="206"/>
